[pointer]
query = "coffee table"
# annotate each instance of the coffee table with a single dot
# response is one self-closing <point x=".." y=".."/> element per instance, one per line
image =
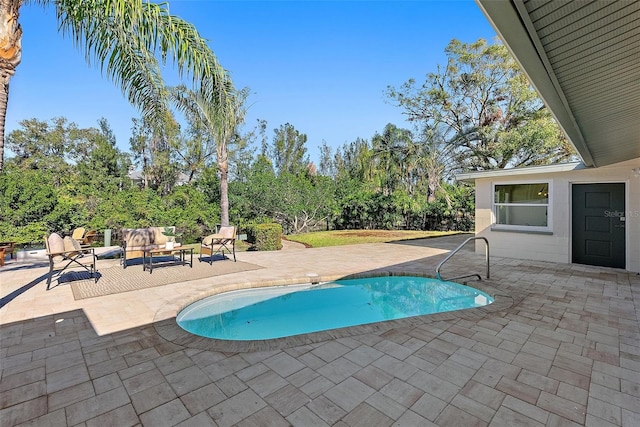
<point x="148" y="255"/>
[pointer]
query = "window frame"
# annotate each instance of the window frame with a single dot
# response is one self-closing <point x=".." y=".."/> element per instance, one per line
<point x="522" y="228"/>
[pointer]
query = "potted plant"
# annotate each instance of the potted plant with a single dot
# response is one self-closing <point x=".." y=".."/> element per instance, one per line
<point x="171" y="234"/>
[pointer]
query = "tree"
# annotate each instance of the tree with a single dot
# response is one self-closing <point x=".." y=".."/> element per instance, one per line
<point x="101" y="166"/>
<point x="59" y="176"/>
<point x="43" y="144"/>
<point x="27" y="196"/>
<point x="288" y="150"/>
<point x="153" y="144"/>
<point x="326" y="166"/>
<point x="125" y="37"/>
<point x="195" y="150"/>
<point x="394" y="151"/>
<point x="436" y="161"/>
<point x="355" y="161"/>
<point x="483" y="106"/>
<point x="255" y="193"/>
<point x="218" y="120"/>
<point x="241" y="154"/>
<point x="301" y="202"/>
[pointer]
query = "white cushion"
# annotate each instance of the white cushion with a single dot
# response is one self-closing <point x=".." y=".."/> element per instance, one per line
<point x="207" y="240"/>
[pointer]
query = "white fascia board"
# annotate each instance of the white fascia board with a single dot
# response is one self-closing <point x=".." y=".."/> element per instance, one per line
<point x="530" y="170"/>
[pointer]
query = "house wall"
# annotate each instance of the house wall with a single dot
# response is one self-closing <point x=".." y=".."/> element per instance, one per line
<point x="556" y="246"/>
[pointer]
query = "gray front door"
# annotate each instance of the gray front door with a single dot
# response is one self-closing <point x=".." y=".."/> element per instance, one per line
<point x="598" y="224"/>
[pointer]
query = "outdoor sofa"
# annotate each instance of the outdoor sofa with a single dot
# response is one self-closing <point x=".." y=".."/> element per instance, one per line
<point x="136" y="240"/>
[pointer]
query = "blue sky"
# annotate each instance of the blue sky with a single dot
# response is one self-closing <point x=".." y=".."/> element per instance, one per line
<point x="322" y="66"/>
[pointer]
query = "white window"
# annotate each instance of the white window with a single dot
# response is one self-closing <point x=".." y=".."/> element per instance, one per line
<point x="523" y="206"/>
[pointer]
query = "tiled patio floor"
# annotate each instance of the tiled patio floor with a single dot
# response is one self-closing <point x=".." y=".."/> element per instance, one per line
<point x="561" y="349"/>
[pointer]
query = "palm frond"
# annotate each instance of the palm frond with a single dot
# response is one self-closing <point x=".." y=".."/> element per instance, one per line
<point x="130" y="38"/>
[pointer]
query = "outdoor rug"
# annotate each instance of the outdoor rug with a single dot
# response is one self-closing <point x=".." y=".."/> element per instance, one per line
<point x="114" y="280"/>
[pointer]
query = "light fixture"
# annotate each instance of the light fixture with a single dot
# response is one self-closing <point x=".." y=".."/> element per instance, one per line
<point x="636" y="172"/>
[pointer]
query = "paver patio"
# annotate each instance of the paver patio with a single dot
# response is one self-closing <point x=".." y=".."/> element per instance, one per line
<point x="561" y="348"/>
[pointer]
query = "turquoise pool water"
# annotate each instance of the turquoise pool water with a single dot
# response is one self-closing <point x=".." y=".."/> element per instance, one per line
<point x="282" y="311"/>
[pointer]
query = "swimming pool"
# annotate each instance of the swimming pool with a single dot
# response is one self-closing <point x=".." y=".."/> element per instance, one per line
<point x="282" y="311"/>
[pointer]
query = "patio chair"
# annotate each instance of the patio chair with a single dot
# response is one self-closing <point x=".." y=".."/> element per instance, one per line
<point x="66" y="254"/>
<point x="78" y="234"/>
<point x="223" y="240"/>
<point x="8" y="248"/>
<point x="88" y="238"/>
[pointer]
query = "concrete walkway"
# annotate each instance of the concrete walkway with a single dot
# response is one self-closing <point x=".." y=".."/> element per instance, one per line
<point x="560" y="347"/>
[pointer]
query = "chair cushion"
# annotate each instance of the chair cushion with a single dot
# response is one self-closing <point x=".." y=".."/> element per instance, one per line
<point x="56" y="243"/>
<point x="210" y="238"/>
<point x="227" y="232"/>
<point x="137" y="236"/>
<point x="71" y="244"/>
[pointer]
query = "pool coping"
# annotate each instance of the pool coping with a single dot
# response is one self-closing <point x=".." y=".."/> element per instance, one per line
<point x="166" y="325"/>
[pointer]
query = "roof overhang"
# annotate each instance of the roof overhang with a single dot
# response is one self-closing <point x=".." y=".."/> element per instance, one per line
<point x="583" y="58"/>
<point x="529" y="170"/>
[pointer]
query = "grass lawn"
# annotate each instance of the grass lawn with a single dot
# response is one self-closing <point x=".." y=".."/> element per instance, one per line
<point x="351" y="237"/>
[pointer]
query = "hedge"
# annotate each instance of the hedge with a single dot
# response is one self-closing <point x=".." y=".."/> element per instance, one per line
<point x="265" y="237"/>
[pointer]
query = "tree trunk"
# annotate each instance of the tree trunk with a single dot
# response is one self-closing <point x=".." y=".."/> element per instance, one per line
<point x="433" y="184"/>
<point x="10" y="56"/>
<point x="223" y="167"/>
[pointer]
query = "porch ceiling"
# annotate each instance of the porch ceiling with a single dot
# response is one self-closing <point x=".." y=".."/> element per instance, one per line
<point x="583" y="57"/>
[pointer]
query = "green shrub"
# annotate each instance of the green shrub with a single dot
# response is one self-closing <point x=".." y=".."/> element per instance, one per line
<point x="31" y="233"/>
<point x="265" y="237"/>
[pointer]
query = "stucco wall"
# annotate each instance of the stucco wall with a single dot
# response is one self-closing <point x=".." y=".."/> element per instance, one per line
<point x="556" y="247"/>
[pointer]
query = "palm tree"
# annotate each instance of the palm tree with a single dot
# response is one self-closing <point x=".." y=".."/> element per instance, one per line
<point x="390" y="152"/>
<point x="125" y="37"/>
<point x="218" y="121"/>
